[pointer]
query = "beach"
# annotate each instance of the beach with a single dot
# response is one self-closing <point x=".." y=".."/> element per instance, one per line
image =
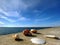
<point x="8" y="40"/>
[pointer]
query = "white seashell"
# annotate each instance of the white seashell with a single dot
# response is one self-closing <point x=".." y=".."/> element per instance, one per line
<point x="32" y="29"/>
<point x="52" y="36"/>
<point x="15" y="36"/>
<point x="37" y="41"/>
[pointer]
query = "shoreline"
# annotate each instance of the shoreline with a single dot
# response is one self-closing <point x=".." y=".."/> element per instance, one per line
<point x="11" y="30"/>
<point x="8" y="40"/>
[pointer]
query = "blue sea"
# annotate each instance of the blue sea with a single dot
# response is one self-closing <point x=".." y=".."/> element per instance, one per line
<point x="9" y="30"/>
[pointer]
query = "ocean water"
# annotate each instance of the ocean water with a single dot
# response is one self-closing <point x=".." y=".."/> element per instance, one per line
<point x="9" y="30"/>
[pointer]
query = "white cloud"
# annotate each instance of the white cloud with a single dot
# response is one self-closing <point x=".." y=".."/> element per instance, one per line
<point x="55" y="23"/>
<point x="11" y="5"/>
<point x="6" y="18"/>
<point x="43" y="19"/>
<point x="2" y="11"/>
<point x="23" y="19"/>
<point x="1" y="23"/>
<point x="8" y="5"/>
<point x="14" y="14"/>
<point x="10" y="13"/>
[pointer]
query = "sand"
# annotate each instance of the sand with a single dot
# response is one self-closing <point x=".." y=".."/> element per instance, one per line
<point x="8" y="40"/>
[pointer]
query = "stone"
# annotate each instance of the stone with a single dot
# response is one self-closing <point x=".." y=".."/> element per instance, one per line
<point x="26" y="32"/>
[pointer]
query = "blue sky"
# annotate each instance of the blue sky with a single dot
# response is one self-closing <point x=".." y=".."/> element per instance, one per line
<point x="29" y="13"/>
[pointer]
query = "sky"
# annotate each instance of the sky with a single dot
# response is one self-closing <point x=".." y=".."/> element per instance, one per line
<point x="29" y="13"/>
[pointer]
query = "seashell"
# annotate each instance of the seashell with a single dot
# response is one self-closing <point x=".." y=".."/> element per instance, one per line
<point x="33" y="31"/>
<point x="26" y="32"/>
<point x="38" y="41"/>
<point x="16" y="36"/>
<point x="50" y="36"/>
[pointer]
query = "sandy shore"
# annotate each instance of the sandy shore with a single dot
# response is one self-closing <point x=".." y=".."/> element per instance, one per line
<point x="8" y="40"/>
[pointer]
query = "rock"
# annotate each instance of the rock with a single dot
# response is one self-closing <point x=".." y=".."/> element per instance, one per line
<point x="26" y="32"/>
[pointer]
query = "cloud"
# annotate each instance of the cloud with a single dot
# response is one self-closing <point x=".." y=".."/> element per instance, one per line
<point x="13" y="8"/>
<point x="55" y="23"/>
<point x="43" y="19"/>
<point x="10" y="13"/>
<point x="11" y="5"/>
<point x="18" y="5"/>
<point x="1" y="23"/>
<point x="2" y="11"/>
<point x="23" y="19"/>
<point x="7" y="16"/>
<point x="26" y="4"/>
<point x="47" y="4"/>
<point x="13" y="20"/>
<point x="8" y="5"/>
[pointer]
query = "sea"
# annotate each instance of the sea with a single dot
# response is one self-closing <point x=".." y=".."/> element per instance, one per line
<point x="10" y="30"/>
